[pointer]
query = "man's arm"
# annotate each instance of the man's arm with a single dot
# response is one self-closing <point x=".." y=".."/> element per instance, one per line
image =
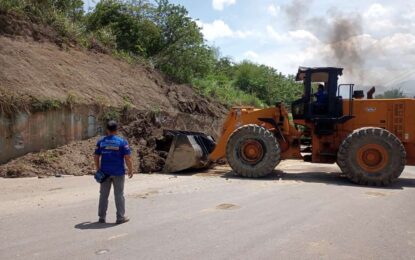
<point x="129" y="165"/>
<point x="97" y="164"/>
<point x="97" y="156"/>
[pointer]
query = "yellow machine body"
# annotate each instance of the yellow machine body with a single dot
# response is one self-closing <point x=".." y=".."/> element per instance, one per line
<point x="240" y="116"/>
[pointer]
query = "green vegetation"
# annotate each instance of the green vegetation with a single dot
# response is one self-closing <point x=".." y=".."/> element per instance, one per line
<point x="46" y="157"/>
<point x="162" y="35"/>
<point x="110" y="113"/>
<point x="45" y="105"/>
<point x="10" y="103"/>
<point x="127" y="104"/>
<point x="13" y="103"/>
<point x="72" y="99"/>
<point x="391" y="94"/>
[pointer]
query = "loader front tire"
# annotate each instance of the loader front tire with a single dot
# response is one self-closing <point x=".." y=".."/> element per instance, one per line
<point x="252" y="151"/>
<point x="372" y="156"/>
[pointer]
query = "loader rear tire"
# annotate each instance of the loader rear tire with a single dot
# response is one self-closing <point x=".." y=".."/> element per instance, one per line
<point x="372" y="156"/>
<point x="252" y="151"/>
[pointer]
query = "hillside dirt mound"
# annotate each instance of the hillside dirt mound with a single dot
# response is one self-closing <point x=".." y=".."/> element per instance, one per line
<point x="35" y="64"/>
<point x="44" y="71"/>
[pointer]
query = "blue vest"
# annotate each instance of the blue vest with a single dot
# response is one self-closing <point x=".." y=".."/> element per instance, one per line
<point x="112" y="150"/>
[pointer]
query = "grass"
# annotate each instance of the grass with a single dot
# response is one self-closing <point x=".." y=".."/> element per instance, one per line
<point x="46" y="157"/>
<point x="12" y="103"/>
<point x="42" y="105"/>
<point x="41" y="12"/>
<point x="110" y="113"/>
<point x="72" y="99"/>
<point x="127" y="103"/>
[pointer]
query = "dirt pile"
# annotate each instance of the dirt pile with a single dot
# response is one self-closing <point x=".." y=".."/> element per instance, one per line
<point x="145" y="133"/>
<point x="72" y="159"/>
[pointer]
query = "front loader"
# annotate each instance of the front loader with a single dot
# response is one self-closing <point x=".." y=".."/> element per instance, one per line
<point x="370" y="139"/>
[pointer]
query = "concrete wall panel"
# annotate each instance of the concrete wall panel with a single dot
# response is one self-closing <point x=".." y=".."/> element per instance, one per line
<point x="46" y="130"/>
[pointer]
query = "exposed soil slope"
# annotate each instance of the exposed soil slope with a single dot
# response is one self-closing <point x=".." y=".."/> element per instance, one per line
<point x="45" y="71"/>
<point x="35" y="63"/>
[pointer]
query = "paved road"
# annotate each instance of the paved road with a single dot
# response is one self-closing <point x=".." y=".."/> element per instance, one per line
<point x="315" y="215"/>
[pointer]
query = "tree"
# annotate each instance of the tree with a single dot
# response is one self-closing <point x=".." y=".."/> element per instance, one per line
<point x="266" y="83"/>
<point x="73" y="9"/>
<point x="391" y="94"/>
<point x="184" y="54"/>
<point x="162" y="31"/>
<point x="133" y="30"/>
<point x="225" y="67"/>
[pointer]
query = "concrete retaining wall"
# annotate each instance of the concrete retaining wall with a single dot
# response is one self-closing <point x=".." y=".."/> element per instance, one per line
<point x="46" y="130"/>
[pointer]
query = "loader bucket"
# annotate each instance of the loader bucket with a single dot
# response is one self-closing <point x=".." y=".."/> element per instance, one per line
<point x="188" y="150"/>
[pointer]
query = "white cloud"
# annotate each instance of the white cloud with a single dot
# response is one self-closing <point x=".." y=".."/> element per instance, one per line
<point x="294" y="37"/>
<point x="220" y="4"/>
<point x="378" y="18"/>
<point x="303" y="35"/>
<point x="273" y="9"/>
<point x="398" y="44"/>
<point x="410" y="12"/>
<point x="251" y="54"/>
<point x="219" y="29"/>
<point x="273" y="34"/>
<point x="376" y="10"/>
<point x="215" y="30"/>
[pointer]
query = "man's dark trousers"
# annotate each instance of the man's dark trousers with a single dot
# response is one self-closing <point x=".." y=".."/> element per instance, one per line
<point x="118" y="182"/>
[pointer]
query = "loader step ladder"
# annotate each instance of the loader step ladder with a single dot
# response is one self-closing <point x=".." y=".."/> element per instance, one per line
<point x="398" y="120"/>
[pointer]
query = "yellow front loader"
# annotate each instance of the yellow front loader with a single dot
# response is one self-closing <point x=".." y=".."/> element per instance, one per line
<point x="370" y="139"/>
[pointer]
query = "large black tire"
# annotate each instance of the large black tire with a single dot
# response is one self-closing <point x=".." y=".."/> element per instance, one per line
<point x="261" y="163"/>
<point x="372" y="156"/>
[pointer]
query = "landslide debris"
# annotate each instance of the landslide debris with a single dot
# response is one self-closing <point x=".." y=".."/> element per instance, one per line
<point x="73" y="159"/>
<point x="144" y="133"/>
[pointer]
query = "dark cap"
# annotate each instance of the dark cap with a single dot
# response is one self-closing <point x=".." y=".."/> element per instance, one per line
<point x="112" y="126"/>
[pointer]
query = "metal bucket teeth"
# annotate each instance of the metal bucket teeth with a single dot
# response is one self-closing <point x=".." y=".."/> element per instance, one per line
<point x="188" y="150"/>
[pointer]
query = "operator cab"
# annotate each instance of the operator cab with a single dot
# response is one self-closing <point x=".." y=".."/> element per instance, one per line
<point x="321" y="102"/>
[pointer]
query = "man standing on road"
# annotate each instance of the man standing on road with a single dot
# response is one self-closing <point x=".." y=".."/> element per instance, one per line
<point x="110" y="154"/>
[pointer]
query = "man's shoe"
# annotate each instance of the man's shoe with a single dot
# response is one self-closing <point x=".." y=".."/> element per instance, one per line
<point x="102" y="220"/>
<point x="122" y="221"/>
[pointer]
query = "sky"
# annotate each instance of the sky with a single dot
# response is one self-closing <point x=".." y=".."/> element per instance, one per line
<point x="373" y="40"/>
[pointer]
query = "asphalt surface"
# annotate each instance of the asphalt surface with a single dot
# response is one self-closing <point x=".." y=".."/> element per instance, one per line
<point x="302" y="211"/>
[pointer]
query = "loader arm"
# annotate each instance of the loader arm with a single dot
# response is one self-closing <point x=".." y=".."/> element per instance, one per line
<point x="191" y="150"/>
